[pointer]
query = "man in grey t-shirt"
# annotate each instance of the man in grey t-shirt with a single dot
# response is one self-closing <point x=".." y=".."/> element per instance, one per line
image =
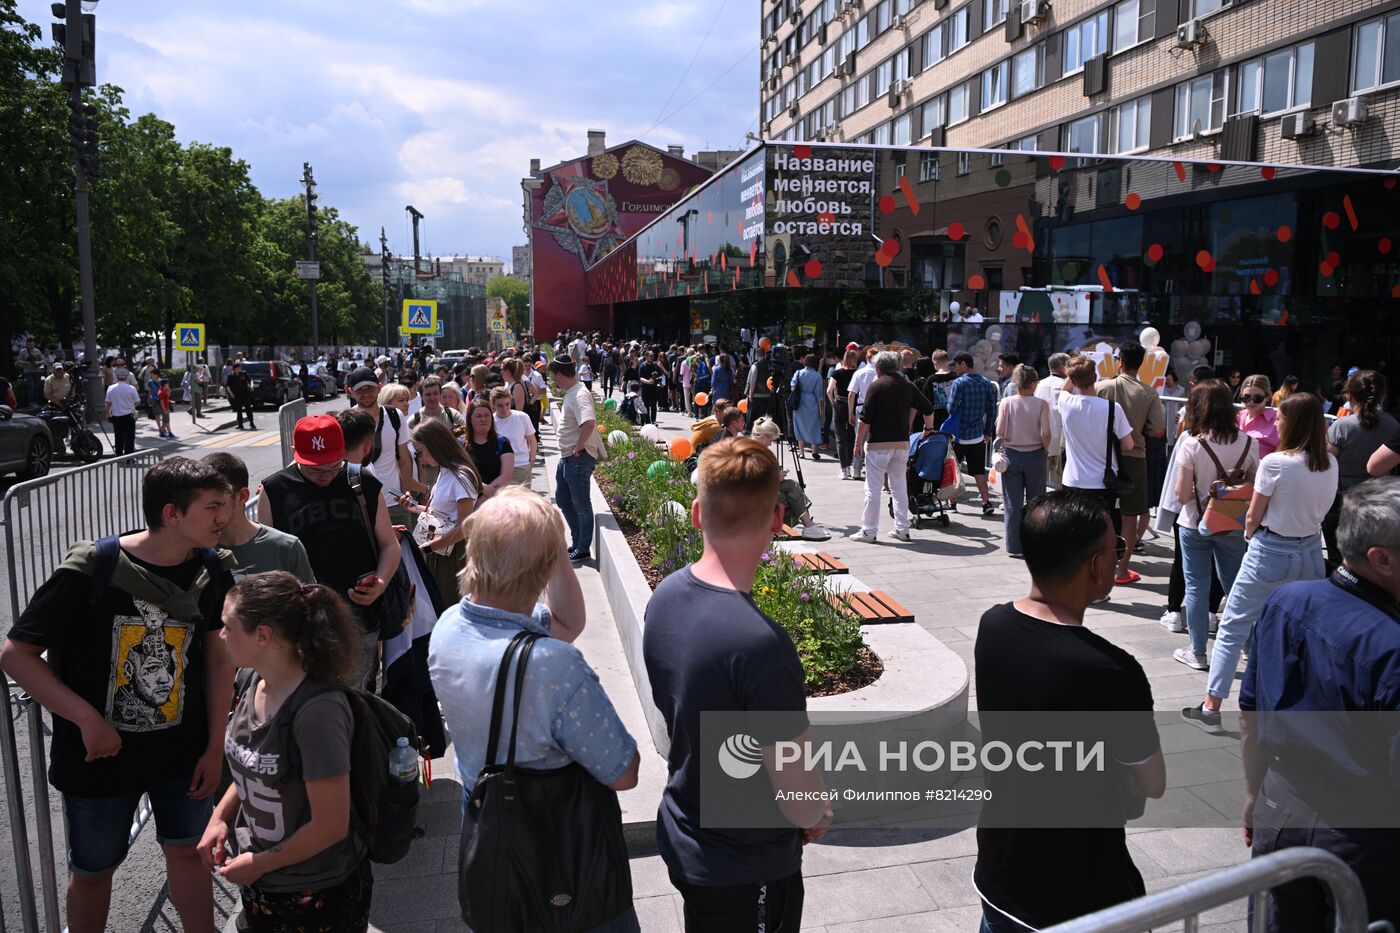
<point x="256" y="548"/>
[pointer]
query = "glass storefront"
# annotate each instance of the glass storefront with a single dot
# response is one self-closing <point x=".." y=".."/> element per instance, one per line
<point x="1283" y="269"/>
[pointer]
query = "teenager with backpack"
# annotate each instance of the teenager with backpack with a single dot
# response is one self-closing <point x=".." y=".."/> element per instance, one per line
<point x="389" y="460"/>
<point x="138" y="682"/>
<point x="301" y="860"/>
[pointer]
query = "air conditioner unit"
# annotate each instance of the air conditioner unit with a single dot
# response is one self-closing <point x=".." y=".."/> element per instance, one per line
<point x="1033" y="11"/>
<point x="821" y="34"/>
<point x="773" y="83"/>
<point x="1349" y="112"/>
<point x="900" y="22"/>
<point x="896" y="89"/>
<point x="796" y="16"/>
<point x="1190" y="34"/>
<point x="847" y="65"/>
<point x="1297" y="125"/>
<point x="794" y="111"/>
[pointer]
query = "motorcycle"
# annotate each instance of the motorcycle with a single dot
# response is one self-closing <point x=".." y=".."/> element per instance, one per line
<point x="68" y="424"/>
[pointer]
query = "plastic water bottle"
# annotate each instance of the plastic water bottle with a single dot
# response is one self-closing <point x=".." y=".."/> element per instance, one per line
<point x="403" y="762"/>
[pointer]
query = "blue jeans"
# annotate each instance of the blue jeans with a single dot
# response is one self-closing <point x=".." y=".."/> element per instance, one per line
<point x="1272" y="560"/>
<point x="98" y="826"/>
<point x="1023" y="480"/>
<point x="34" y="388"/>
<point x="1197" y="553"/>
<point x="573" y="496"/>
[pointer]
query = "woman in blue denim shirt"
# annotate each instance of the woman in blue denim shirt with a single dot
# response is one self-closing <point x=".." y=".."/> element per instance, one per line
<point x="515" y="554"/>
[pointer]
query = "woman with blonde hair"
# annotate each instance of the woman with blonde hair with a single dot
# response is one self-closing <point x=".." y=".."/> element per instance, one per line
<point x="1258" y="420"/>
<point x="1292" y="492"/>
<point x="396" y="395"/>
<point x="450" y="503"/>
<point x="1023" y="428"/>
<point x="477" y="389"/>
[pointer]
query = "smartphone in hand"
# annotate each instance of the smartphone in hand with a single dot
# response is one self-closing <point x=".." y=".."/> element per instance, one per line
<point x="367" y="581"/>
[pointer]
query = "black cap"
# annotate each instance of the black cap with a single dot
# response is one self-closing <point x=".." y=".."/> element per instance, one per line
<point x="562" y="364"/>
<point x="361" y="376"/>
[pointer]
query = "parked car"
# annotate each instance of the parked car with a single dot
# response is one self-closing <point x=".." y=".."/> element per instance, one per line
<point x="273" y="384"/>
<point x="321" y="383"/>
<point x="26" y="446"/>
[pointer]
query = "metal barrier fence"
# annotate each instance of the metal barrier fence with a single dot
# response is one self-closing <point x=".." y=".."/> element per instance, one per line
<point x="287" y="417"/>
<point x="42" y="518"/>
<point x="1252" y="880"/>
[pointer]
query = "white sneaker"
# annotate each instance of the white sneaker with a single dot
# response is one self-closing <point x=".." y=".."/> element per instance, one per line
<point x="899" y="535"/>
<point x="845" y="472"/>
<point x="1214" y="623"/>
<point x="1173" y="622"/>
<point x="815" y="532"/>
<point x="1191" y="659"/>
<point x="862" y="536"/>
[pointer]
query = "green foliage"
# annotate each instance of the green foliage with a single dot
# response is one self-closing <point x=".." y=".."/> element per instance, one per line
<point x="828" y="640"/>
<point x="179" y="232"/>
<point x="516" y="294"/>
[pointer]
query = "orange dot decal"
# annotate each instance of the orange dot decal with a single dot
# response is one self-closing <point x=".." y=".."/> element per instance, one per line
<point x="1333" y="259"/>
<point x="802" y="152"/>
<point x="1390" y="184"/>
<point x="1395" y="291"/>
<point x="1205" y="260"/>
<point x="1331" y="220"/>
<point x="826" y="217"/>
<point x="1214" y="167"/>
<point x="1019" y="240"/>
<point x="956" y="231"/>
<point x="1155" y="252"/>
<point x="887" y="204"/>
<point x="1384" y="245"/>
<point x="1285" y="233"/>
<point x="792" y="279"/>
<point x="813" y="268"/>
<point x="976" y="282"/>
<point x="881" y="259"/>
<point x="1180" y="172"/>
<point x="1326" y="269"/>
<point x="1254" y="287"/>
<point x="1133" y="201"/>
<point x="1057" y="162"/>
<point x="1270" y="277"/>
<point x="890" y="247"/>
<point x="1267" y="172"/>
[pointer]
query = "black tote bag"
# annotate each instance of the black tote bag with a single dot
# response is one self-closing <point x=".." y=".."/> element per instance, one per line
<point x="542" y="850"/>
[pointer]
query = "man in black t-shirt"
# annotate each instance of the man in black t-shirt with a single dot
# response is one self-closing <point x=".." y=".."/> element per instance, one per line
<point x="651" y="376"/>
<point x="138" y="682"/>
<point x="1036" y="865"/>
<point x="709" y="648"/>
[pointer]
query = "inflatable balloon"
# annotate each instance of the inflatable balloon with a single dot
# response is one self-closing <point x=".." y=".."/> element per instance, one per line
<point x="1179" y="346"/>
<point x="765" y="344"/>
<point x="694" y="476"/>
<point x="1198" y="348"/>
<point x="650" y="432"/>
<point x="672" y="509"/>
<point x="1150" y="338"/>
<point x="1181" y="365"/>
<point x="617" y="437"/>
<point x="1192" y="330"/>
<point x="610" y="404"/>
<point x="954" y="307"/>
<point x="658" y="469"/>
<point x="994" y="334"/>
<point x="982" y="348"/>
<point x="702" y="399"/>
<point x="681" y="448"/>
<point x="743" y="405"/>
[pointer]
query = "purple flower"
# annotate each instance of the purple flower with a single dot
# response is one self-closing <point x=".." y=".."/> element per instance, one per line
<point x="805" y="597"/>
<point x="631" y="455"/>
<point x="766" y="556"/>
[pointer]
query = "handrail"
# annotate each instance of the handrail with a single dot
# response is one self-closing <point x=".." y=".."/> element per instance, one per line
<point x="1250" y="879"/>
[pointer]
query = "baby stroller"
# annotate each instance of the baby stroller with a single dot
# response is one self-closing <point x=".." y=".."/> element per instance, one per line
<point x="933" y="478"/>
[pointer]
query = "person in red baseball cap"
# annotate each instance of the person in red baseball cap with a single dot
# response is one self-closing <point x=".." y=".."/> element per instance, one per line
<point x="343" y="525"/>
<point x="852" y="346"/>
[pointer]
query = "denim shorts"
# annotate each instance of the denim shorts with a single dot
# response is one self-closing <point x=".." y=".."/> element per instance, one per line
<point x="98" y="827"/>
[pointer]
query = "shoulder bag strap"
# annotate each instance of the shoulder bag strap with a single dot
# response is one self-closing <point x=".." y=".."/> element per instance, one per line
<point x="1219" y="467"/>
<point x="1244" y="454"/>
<point x="352" y="475"/>
<point x="525" y="649"/>
<point x="493" y="738"/>
<point x="1111" y="447"/>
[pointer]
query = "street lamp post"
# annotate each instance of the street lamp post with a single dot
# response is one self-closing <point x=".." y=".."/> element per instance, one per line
<point x="309" y="181"/>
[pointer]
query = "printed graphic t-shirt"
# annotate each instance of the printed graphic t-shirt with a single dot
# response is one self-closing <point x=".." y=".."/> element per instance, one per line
<point x="138" y="662"/>
<point x="272" y="801"/>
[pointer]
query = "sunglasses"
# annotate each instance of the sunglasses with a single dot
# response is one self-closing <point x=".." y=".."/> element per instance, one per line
<point x="1120" y="547"/>
<point x="1255" y="399"/>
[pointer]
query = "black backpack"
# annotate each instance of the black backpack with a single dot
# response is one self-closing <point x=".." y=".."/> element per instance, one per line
<point x="385" y="811"/>
<point x="105" y="564"/>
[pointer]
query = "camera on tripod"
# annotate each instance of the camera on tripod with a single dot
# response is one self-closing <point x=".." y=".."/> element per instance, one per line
<point x="780" y="367"/>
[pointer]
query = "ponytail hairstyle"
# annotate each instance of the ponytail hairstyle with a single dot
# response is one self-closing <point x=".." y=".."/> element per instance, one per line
<point x="1367" y="392"/>
<point x="1303" y="429"/>
<point x="310" y="617"/>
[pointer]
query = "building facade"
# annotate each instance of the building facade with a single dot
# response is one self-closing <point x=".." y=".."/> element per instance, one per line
<point x="520" y="262"/>
<point x="475" y="270"/>
<point x="1276" y="81"/>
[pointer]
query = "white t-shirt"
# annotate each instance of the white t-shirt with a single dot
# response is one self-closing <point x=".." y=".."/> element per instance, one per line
<point x="860" y="382"/>
<point x="448" y="489"/>
<point x="516" y="428"/>
<point x="1203" y="470"/>
<point x="575" y="410"/>
<point x="385" y="467"/>
<point x="123" y="398"/>
<point x="1299" y="498"/>
<point x="415" y="405"/>
<point x="1049" y="390"/>
<point x="1085" y="430"/>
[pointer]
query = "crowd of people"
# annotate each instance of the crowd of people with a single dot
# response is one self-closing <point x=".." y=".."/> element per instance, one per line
<point x="416" y="499"/>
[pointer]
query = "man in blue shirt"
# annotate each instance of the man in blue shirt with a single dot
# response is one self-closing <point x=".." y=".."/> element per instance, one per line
<point x="972" y="409"/>
<point x="1330" y="645"/>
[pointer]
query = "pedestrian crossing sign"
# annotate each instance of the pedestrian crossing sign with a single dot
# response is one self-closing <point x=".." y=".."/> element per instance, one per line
<point x="419" y="315"/>
<point x="189" y="337"/>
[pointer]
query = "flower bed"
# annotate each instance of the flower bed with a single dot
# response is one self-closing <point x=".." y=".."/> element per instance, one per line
<point x="651" y="495"/>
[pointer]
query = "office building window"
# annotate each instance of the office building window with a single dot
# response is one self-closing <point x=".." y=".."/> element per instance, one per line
<point x="1276" y="82"/>
<point x="1028" y="70"/>
<point x="1134" y="21"/>
<point x="1084" y="40"/>
<point x="900" y="170"/>
<point x="880" y="136"/>
<point x="1200" y="104"/>
<point x="957" y="30"/>
<point x="997" y="160"/>
<point x="958" y="100"/>
<point x="1377" y="57"/>
<point x="934" y="114"/>
<point x="899" y="130"/>
<point x="862" y="91"/>
<point x="1131" y="122"/>
<point x="964" y="163"/>
<point x="1025" y="143"/>
<point x="933" y="46"/>
<point x="884" y="74"/>
<point x="994" y="85"/>
<point x="994" y="12"/>
<point x="901" y="64"/>
<point x="928" y="167"/>
<point x="882" y="16"/>
<point x="1202" y="7"/>
<point x="1083" y="135"/>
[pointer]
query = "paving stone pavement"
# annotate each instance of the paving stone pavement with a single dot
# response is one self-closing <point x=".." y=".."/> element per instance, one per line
<point x="891" y="880"/>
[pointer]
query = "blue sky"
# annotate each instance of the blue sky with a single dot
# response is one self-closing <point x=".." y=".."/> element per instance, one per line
<point x="437" y="103"/>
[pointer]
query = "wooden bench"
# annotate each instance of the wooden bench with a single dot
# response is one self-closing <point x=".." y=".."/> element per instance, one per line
<point x="821" y="562"/>
<point x="871" y="606"/>
<point x="789" y="533"/>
